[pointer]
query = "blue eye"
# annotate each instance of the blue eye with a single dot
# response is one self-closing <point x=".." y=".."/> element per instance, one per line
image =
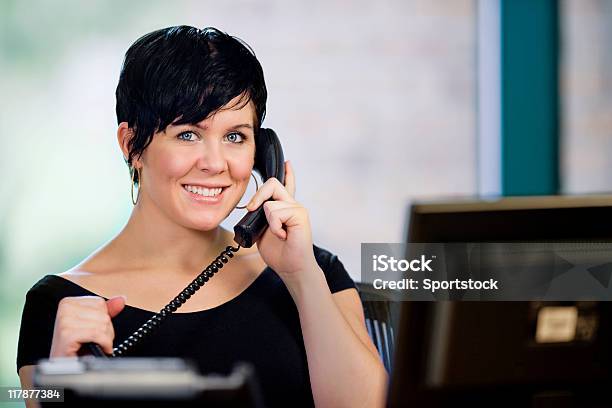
<point x="235" y="137"/>
<point x="188" y="134"/>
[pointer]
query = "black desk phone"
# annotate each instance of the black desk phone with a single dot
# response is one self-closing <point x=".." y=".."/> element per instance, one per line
<point x="269" y="162"/>
<point x="144" y="382"/>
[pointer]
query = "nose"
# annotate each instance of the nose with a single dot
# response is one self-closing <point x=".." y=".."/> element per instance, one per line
<point x="212" y="159"/>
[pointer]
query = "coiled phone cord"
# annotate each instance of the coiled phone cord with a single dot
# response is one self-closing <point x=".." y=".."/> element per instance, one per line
<point x="171" y="307"/>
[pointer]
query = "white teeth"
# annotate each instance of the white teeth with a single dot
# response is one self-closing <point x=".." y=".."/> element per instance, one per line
<point x="203" y="191"/>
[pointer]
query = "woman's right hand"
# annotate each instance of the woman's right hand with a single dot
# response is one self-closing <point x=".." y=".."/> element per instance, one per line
<point x="84" y="319"/>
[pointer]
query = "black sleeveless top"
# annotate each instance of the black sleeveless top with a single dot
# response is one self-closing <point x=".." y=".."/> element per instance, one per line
<point x="260" y="326"/>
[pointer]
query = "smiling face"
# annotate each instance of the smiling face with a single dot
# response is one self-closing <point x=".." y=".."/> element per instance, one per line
<point x="197" y="174"/>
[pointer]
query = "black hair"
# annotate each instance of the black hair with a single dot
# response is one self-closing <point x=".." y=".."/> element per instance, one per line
<point x="182" y="74"/>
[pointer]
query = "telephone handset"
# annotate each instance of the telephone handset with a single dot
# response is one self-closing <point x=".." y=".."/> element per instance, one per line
<point x="269" y="162"/>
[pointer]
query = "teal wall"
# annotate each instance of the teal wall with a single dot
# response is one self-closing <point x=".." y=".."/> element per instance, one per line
<point x="529" y="97"/>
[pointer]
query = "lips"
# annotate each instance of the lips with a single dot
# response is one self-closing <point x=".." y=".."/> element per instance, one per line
<point x="204" y="191"/>
<point x="202" y="199"/>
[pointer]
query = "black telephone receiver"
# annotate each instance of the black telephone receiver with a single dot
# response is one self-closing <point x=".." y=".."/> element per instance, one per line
<point x="269" y="162"/>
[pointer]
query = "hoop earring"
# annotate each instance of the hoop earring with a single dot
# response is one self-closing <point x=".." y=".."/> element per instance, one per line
<point x="241" y="207"/>
<point x="139" y="184"/>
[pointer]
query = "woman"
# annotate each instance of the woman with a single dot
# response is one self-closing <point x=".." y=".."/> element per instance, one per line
<point x="189" y="103"/>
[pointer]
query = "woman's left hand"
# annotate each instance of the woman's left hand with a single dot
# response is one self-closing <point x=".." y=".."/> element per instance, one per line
<point x="286" y="246"/>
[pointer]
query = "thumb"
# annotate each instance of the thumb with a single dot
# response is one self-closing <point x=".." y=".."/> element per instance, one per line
<point x="115" y="305"/>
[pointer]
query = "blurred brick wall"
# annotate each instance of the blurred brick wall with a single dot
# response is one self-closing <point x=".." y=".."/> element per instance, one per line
<point x="586" y="96"/>
<point x="375" y="104"/>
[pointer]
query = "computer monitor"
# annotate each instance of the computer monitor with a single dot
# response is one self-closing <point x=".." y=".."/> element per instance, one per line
<point x="550" y="218"/>
<point x="492" y="353"/>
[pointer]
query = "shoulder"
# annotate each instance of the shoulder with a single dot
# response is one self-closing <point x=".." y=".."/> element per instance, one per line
<point x="326" y="259"/>
<point x="45" y="288"/>
<point x="38" y="319"/>
<point x="323" y="256"/>
<point x="335" y="273"/>
<point x="52" y="288"/>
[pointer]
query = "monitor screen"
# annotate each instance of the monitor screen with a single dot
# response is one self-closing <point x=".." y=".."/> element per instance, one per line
<point x="563" y="218"/>
<point x="487" y="353"/>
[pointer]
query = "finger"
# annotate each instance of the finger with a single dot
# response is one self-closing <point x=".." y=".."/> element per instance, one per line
<point x="107" y="347"/>
<point x="276" y="226"/>
<point x="289" y="178"/>
<point x="86" y="316"/>
<point x="109" y="336"/>
<point x="281" y="219"/>
<point x="273" y="189"/>
<point x="92" y="302"/>
<point x="290" y="217"/>
<point x="87" y="332"/>
<point x="97" y="305"/>
<point x="89" y="302"/>
<point x="277" y="205"/>
<point x="102" y="337"/>
<point x="115" y="305"/>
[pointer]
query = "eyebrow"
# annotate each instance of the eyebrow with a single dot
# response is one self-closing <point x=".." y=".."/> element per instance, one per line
<point x="242" y="125"/>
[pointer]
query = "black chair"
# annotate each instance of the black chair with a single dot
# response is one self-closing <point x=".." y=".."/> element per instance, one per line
<point x="381" y="317"/>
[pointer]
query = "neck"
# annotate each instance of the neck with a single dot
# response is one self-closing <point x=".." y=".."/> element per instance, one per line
<point x="151" y="241"/>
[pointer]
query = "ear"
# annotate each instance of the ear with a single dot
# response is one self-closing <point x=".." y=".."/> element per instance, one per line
<point x="124" y="134"/>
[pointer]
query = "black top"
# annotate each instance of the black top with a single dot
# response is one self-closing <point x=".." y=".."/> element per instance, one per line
<point x="260" y="326"/>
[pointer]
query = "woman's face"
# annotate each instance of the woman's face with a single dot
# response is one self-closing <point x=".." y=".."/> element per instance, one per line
<point x="196" y="174"/>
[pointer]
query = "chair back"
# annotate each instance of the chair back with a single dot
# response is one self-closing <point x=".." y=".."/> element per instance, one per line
<point x="381" y="317"/>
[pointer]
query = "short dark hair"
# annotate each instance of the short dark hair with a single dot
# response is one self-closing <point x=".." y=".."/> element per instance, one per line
<point x="183" y="74"/>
